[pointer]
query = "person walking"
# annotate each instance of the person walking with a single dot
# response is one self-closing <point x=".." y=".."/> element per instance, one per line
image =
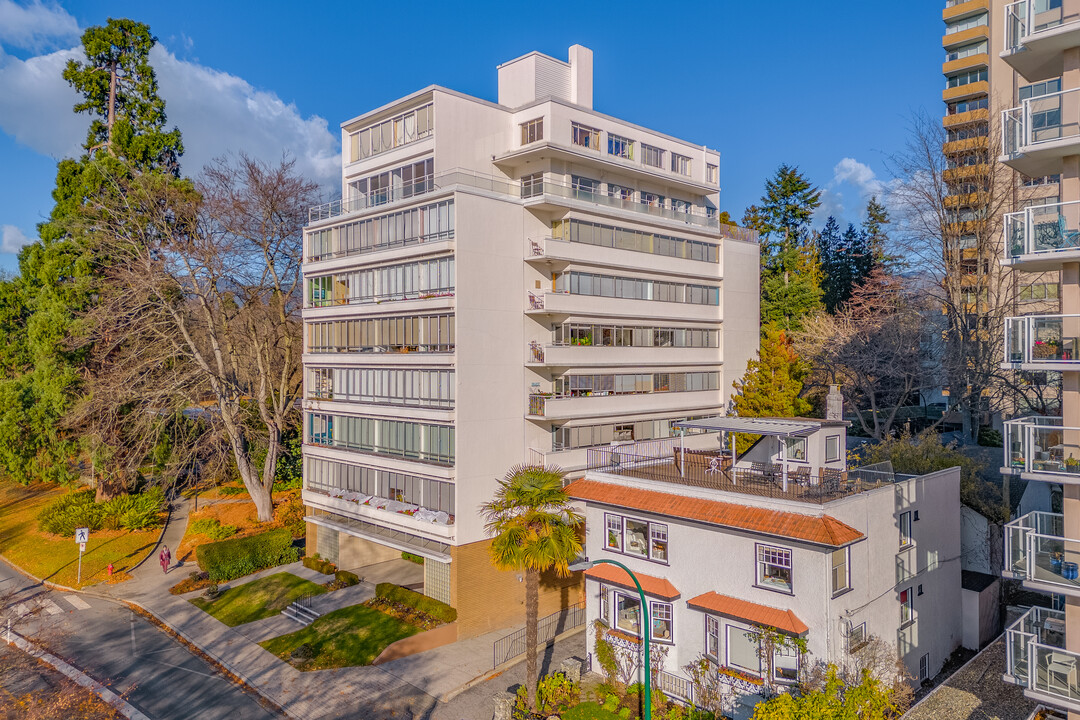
<point x="165" y="558"/>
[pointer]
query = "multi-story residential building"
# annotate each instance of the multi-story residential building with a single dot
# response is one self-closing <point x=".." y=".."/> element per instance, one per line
<point x="1041" y="138"/>
<point x="505" y="282"/>
<point x="785" y="538"/>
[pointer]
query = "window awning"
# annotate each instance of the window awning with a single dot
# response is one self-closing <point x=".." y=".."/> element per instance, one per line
<point x="782" y="427"/>
<point x="750" y="612"/>
<point x="614" y="575"/>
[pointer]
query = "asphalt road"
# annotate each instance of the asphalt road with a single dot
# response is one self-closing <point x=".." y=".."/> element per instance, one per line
<point x="109" y="642"/>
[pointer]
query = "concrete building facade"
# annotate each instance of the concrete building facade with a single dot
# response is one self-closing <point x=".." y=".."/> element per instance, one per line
<point x="503" y="283"/>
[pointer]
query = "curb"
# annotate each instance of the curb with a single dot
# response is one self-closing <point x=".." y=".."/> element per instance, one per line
<point x="221" y="665"/>
<point x="78" y="676"/>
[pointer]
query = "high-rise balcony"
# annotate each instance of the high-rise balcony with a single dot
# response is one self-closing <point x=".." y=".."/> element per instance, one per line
<point x="562" y="304"/>
<point x="1037" y="32"/>
<point x="556" y="255"/>
<point x="1037" y="552"/>
<point x="1041" y="237"/>
<point x="1036" y="659"/>
<point x="572" y="355"/>
<point x="593" y="405"/>
<point x="1042" y="342"/>
<point x="1041" y="448"/>
<point x="1043" y="130"/>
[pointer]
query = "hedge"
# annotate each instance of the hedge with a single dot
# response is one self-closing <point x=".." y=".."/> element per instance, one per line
<point x="319" y="565"/>
<point x="230" y="559"/>
<point x="347" y="579"/>
<point x="431" y="606"/>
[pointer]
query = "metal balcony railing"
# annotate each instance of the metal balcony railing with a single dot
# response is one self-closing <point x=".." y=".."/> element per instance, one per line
<point x="1043" y="229"/>
<point x="1039" y="120"/>
<point x="1042" y="339"/>
<point x="1042" y="444"/>
<point x="1028" y="17"/>
<point x="1036" y="551"/>
<point x="1036" y="657"/>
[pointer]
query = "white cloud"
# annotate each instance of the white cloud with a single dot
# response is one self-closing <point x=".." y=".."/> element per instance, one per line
<point x="12" y="239"/>
<point x="859" y="175"/>
<point x="35" y="26"/>
<point x="850" y="177"/>
<point x="36" y="104"/>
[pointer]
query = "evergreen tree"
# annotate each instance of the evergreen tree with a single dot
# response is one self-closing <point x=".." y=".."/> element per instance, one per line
<point x="772" y="383"/>
<point x="835" y="267"/>
<point x="45" y="358"/>
<point x="876" y="237"/>
<point x="790" y="275"/>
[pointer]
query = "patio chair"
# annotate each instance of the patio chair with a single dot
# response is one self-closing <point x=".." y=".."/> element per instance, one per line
<point x="802" y="476"/>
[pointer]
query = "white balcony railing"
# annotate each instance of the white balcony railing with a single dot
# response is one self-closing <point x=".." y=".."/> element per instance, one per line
<point x="1043" y="229"/>
<point x="1040" y="120"/>
<point x="1042" y="339"/>
<point x="1037" y="552"/>
<point x="1036" y="658"/>
<point x="1041" y="444"/>
<point x="1028" y="17"/>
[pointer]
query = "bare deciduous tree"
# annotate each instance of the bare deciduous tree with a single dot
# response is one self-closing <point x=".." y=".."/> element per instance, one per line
<point x="199" y="314"/>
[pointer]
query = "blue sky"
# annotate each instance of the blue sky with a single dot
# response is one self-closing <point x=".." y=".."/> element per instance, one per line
<point x="830" y="87"/>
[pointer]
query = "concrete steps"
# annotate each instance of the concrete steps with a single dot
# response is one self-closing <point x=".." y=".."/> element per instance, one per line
<point x="301" y="614"/>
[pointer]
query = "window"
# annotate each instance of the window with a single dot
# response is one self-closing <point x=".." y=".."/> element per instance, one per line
<point x="712" y="637"/>
<point x="658" y="538"/>
<point x="614" y="532"/>
<point x="786" y="665"/>
<point x="832" y="448"/>
<point x="841" y="578"/>
<point x="652" y="156"/>
<point x="335" y="478"/>
<point x="590" y="233"/>
<point x="532" y="131"/>
<point x="532" y="185"/>
<point x="906" y="615"/>
<point x="628" y="614"/>
<point x="680" y="164"/>
<point x="962" y="106"/>
<point x="712" y="174"/>
<point x="966" y="51"/>
<point x="584" y="187"/>
<point x="620" y="192"/>
<point x="966" y="78"/>
<point x="742" y="650"/>
<point x="795" y="449"/>
<point x="856" y="638"/>
<point x="660" y="617"/>
<point x="620" y="146"/>
<point x="774" y="568"/>
<point x="652" y="199"/>
<point x="1039" y="89"/>
<point x="966" y="24"/>
<point x="585" y="136"/>
<point x="905" y="529"/>
<point x="924" y="667"/>
<point x="636" y="534"/>
<point x="605" y="605"/>
<point x="409" y="127"/>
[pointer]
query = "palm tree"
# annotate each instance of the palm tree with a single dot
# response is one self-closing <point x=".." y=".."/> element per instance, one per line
<point x="535" y="530"/>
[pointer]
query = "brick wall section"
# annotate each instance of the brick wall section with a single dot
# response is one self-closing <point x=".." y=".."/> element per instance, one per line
<point x="487" y="599"/>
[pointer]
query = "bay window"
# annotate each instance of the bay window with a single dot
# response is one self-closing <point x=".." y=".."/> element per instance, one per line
<point x="628" y="614"/>
<point x="636" y="537"/>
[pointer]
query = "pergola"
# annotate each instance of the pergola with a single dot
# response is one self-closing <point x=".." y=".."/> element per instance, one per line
<point x="727" y="426"/>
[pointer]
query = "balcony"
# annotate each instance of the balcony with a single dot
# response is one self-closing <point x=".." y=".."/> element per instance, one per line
<point x="1042" y="342"/>
<point x="1037" y="34"/>
<point x="1036" y="659"/>
<point x="595" y="405"/>
<point x="563" y="356"/>
<point x="1037" y="552"/>
<point x="1041" y="448"/>
<point x="1038" y="134"/>
<point x="556" y="255"/>
<point x="1042" y="237"/>
<point x="562" y="305"/>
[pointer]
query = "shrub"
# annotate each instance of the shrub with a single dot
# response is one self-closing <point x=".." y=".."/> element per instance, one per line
<point x="412" y="558"/>
<point x="303" y="651"/>
<point x="291" y="516"/>
<point x="989" y="437"/>
<point x="194" y="581"/>
<point x="431" y="606"/>
<point x="347" y="579"/>
<point x="320" y="566"/>
<point x="131" y="512"/>
<point x="230" y="559"/>
<point x="212" y="591"/>
<point x="213" y="529"/>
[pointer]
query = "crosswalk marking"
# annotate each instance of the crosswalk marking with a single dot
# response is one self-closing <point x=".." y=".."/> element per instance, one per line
<point x="51" y="607"/>
<point x="77" y="602"/>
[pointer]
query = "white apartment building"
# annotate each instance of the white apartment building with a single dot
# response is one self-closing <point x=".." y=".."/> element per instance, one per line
<point x="503" y="283"/>
<point x="722" y="551"/>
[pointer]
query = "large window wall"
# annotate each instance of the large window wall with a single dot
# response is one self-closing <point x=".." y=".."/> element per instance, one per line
<point x="634" y="383"/>
<point x="408" y="127"/>
<point x="579" y="283"/>
<point x="330" y="476"/>
<point x="383" y="386"/>
<point x="399" y="438"/>
<point x="398" y="184"/>
<point x="590" y="233"/>
<point x="406" y="281"/>
<point x="633" y="336"/>
<point x="569" y="438"/>
<point x="424" y="333"/>
<point x="427" y="223"/>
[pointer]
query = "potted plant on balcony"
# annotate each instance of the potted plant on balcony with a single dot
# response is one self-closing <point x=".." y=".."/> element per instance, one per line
<point x="1072" y="465"/>
<point x="1055" y="561"/>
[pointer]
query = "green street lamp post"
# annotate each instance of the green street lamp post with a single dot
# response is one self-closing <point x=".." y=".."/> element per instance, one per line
<point x="646" y="629"/>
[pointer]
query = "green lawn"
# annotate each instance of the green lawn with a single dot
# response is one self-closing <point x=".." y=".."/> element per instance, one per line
<point x="257" y="599"/>
<point x="344" y="638"/>
<point x="589" y="711"/>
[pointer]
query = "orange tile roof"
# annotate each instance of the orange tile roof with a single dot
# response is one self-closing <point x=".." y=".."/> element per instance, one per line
<point x="820" y="529"/>
<point x="657" y="587"/>
<point x="749" y="612"/>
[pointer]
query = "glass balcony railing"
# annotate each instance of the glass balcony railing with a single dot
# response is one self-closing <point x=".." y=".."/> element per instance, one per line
<point x="1040" y="120"/>
<point x="1036" y="657"/>
<point x="1028" y="17"/>
<point x="1042" y="445"/>
<point x="1043" y="229"/>
<point x="1037" y="551"/>
<point x="1042" y="339"/>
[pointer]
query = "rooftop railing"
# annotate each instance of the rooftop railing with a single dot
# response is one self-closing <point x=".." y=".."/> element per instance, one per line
<point x="1043" y="229"/>
<point x="1042" y="339"/>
